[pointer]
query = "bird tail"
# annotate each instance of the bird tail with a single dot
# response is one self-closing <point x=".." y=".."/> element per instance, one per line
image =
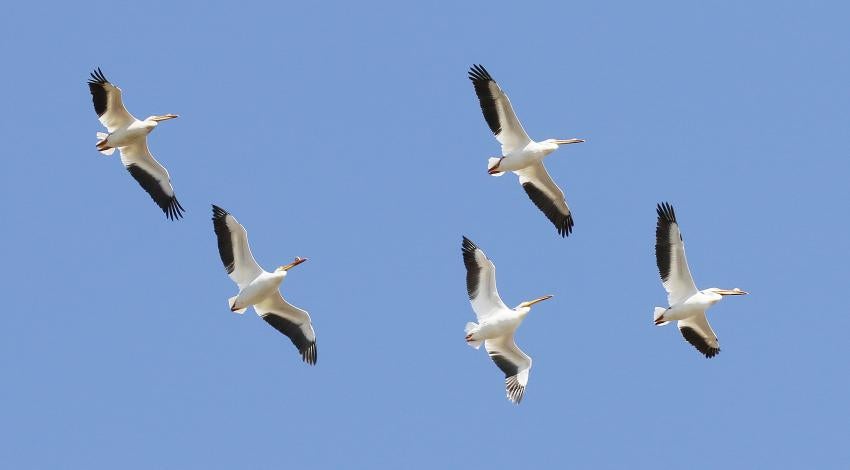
<point x="657" y="316"/>
<point x="471" y="327"/>
<point x="101" y="144"/>
<point x="231" y="302"/>
<point x="493" y="161"/>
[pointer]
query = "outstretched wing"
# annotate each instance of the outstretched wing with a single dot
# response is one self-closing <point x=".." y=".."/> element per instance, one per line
<point x="698" y="332"/>
<point x="291" y="321"/>
<point x="108" y="105"/>
<point x="547" y="196"/>
<point x="152" y="177"/>
<point x="498" y="111"/>
<point x="233" y="248"/>
<point x="670" y="257"/>
<point x="480" y="281"/>
<point x="513" y="362"/>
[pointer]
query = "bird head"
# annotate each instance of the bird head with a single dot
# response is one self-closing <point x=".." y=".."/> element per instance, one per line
<point x="555" y="143"/>
<point x="525" y="307"/>
<point x="163" y="117"/>
<point x="719" y="293"/>
<point x="283" y="269"/>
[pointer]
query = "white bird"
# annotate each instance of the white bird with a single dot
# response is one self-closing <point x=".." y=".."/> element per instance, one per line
<point x="496" y="322"/>
<point x="520" y="154"/>
<point x="259" y="288"/>
<point x="687" y="304"/>
<point x="129" y="135"/>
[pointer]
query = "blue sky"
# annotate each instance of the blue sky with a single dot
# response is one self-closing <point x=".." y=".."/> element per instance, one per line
<point x="348" y="133"/>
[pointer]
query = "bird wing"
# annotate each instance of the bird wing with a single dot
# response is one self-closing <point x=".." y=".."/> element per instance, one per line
<point x="291" y="321"/>
<point x="670" y="257"/>
<point x="152" y="176"/>
<point x="233" y="248"/>
<point x="547" y="196"/>
<point x="108" y="105"/>
<point x="481" y="281"/>
<point x="513" y="362"/>
<point x="498" y="111"/>
<point x="698" y="332"/>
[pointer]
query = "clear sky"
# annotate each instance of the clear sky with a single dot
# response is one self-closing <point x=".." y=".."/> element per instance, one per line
<point x="348" y="133"/>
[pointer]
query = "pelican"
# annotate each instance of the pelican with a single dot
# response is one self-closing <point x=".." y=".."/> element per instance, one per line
<point x="520" y="154"/>
<point x="496" y="322"/>
<point x="259" y="288"/>
<point x="129" y="135"/>
<point x="687" y="304"/>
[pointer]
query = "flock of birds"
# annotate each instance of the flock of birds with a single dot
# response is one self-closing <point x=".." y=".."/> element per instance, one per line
<point x="496" y="321"/>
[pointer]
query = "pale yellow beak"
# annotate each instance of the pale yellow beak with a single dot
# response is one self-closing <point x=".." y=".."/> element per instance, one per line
<point x="734" y="291"/>
<point x="291" y="265"/>
<point x="539" y="299"/>
<point x="568" y="141"/>
<point x="164" y="117"/>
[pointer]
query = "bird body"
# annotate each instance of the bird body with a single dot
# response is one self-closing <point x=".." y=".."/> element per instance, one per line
<point x="500" y="323"/>
<point x="694" y="305"/>
<point x="129" y="136"/>
<point x="259" y="288"/>
<point x="687" y="305"/>
<point x="496" y="321"/>
<point x="129" y="133"/>
<point x="530" y="154"/>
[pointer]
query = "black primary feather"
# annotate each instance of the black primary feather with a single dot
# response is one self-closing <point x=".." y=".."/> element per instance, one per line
<point x="666" y="219"/>
<point x="169" y="204"/>
<point x="563" y="222"/>
<point x="222" y="233"/>
<point x="98" y="91"/>
<point x="293" y="330"/>
<point x="698" y="341"/>
<point x="472" y="269"/>
<point x="481" y="80"/>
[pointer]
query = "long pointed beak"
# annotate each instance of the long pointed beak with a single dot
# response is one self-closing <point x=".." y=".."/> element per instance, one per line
<point x="165" y="117"/>
<point x="568" y="141"/>
<point x="734" y="291"/>
<point x="291" y="265"/>
<point x="539" y="299"/>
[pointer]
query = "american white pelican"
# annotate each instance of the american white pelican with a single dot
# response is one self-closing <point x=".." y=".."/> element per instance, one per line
<point x="130" y="136"/>
<point x="687" y="304"/>
<point x="259" y="288"/>
<point x="496" y="322"/>
<point x="520" y="154"/>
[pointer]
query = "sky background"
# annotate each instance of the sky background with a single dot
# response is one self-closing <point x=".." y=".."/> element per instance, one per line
<point x="348" y="133"/>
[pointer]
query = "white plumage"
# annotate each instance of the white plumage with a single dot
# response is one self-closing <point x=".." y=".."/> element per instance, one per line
<point x="520" y="154"/>
<point x="496" y="322"/>
<point x="259" y="288"/>
<point x="129" y="136"/>
<point x="687" y="304"/>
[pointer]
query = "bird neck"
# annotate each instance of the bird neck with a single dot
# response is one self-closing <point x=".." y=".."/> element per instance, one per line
<point x="522" y="312"/>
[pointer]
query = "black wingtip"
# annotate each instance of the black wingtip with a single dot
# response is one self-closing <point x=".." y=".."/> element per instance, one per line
<point x="97" y="77"/>
<point x="218" y="212"/>
<point x="310" y="355"/>
<point x="174" y="210"/>
<point x="665" y="211"/>
<point x="698" y="342"/>
<point x="566" y="227"/>
<point x="468" y="246"/>
<point x="478" y="73"/>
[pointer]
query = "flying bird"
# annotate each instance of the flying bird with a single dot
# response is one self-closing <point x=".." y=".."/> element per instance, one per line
<point x="687" y="304"/>
<point x="520" y="154"/>
<point x="129" y="135"/>
<point x="496" y="322"/>
<point x="259" y="288"/>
